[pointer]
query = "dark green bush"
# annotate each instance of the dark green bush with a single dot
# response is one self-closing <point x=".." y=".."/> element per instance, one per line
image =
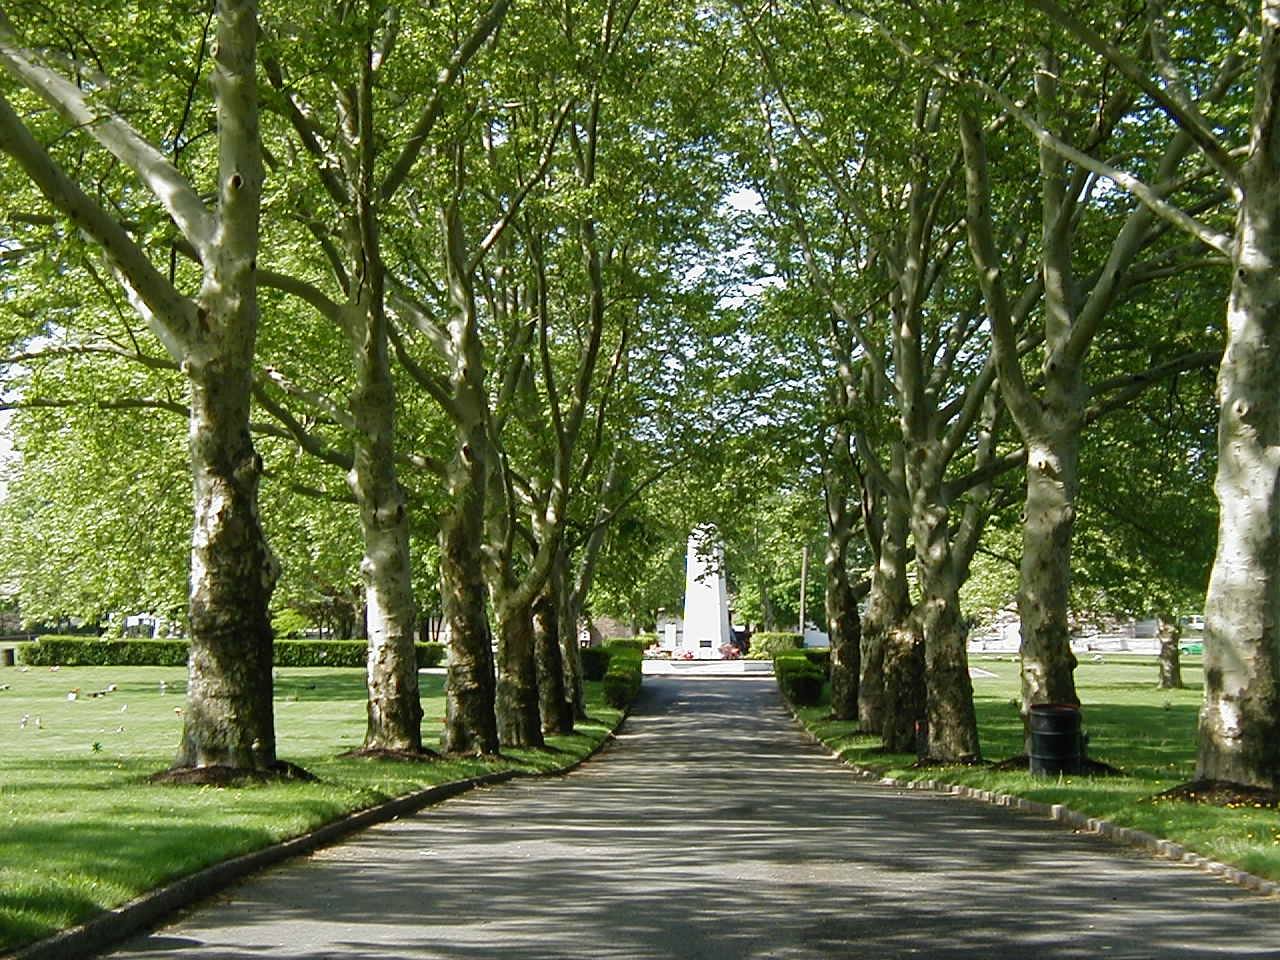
<point x="820" y="657"/>
<point x="799" y="679"/>
<point x="622" y="678"/>
<point x="431" y="654"/>
<point x="595" y="662"/>
<point x="51" y="651"/>
<point x="765" y="646"/>
<point x="639" y="644"/>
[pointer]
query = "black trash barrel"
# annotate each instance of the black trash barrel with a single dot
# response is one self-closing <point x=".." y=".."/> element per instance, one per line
<point x="8" y="657"/>
<point x="1055" y="738"/>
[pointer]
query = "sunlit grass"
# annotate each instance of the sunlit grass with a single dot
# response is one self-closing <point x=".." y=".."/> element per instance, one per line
<point x="1148" y="734"/>
<point x="83" y="831"/>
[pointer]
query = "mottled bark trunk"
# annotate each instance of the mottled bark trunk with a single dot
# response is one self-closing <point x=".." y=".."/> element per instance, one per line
<point x="843" y="624"/>
<point x="1170" y="657"/>
<point x="394" y="708"/>
<point x="553" y="703"/>
<point x="953" y="724"/>
<point x="1048" y="665"/>
<point x="1239" y="736"/>
<point x="519" y="721"/>
<point x="888" y="607"/>
<point x="470" y="722"/>
<point x="845" y="629"/>
<point x="470" y="719"/>
<point x="228" y="720"/>
<point x="567" y="633"/>
<point x="903" y="700"/>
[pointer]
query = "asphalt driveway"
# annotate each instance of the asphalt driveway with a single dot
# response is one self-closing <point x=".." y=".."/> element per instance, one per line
<point x="713" y="828"/>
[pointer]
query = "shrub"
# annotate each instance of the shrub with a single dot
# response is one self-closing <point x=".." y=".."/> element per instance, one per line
<point x="638" y="644"/>
<point x="765" y="646"/>
<point x="51" y="651"/>
<point x="289" y="623"/>
<point x="622" y="678"/>
<point x="820" y="657"/>
<point x="799" y="679"/>
<point x="595" y="661"/>
<point x="431" y="654"/>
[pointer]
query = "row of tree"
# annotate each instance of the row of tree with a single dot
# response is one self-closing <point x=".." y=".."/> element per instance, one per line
<point x="405" y="252"/>
<point x="540" y="289"/>
<point x="1006" y="225"/>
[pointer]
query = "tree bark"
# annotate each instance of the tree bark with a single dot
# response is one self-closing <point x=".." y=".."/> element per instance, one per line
<point x="519" y="720"/>
<point x="904" y="686"/>
<point x="567" y="616"/>
<point x="843" y="623"/>
<point x="394" y="706"/>
<point x="470" y="722"/>
<point x="1239" y="735"/>
<point x="953" y="724"/>
<point x="888" y="608"/>
<point x="554" y="705"/>
<point x="1048" y="665"/>
<point x="228" y="719"/>
<point x="1170" y="658"/>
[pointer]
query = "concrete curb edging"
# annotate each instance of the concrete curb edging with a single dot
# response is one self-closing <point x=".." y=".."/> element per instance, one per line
<point x="1125" y="836"/>
<point x="114" y="925"/>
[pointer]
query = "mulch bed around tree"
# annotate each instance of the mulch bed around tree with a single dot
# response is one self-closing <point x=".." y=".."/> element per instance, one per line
<point x="1089" y="768"/>
<point x="404" y="756"/>
<point x="1223" y="793"/>
<point x="220" y="776"/>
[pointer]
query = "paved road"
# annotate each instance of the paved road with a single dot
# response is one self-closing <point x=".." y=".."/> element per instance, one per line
<point x="713" y="829"/>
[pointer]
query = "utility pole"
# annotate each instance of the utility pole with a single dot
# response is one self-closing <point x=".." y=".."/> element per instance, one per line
<point x="804" y="584"/>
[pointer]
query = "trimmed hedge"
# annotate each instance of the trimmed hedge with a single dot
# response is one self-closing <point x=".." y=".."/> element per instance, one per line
<point x="64" y="651"/>
<point x="766" y="646"/>
<point x="639" y="644"/>
<point x="799" y="678"/>
<point x="595" y="662"/>
<point x="820" y="657"/>
<point x="622" y="679"/>
<point x="55" y="651"/>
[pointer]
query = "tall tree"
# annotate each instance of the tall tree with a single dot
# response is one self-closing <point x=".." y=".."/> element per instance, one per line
<point x="211" y="332"/>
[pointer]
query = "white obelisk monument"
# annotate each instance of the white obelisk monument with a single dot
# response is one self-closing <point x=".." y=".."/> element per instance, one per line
<point x="706" y="601"/>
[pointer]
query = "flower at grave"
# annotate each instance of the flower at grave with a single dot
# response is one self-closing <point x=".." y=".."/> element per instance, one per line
<point x="74" y="694"/>
<point x="22" y="724"/>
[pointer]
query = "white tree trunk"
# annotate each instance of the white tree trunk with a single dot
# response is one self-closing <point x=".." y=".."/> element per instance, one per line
<point x="1239" y="737"/>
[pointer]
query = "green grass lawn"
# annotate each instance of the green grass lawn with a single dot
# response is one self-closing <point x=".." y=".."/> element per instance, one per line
<point x="83" y="831"/>
<point x="1147" y="733"/>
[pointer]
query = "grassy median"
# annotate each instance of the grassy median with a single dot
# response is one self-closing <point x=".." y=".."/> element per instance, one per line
<point x="83" y="831"/>
<point x="1146" y="733"/>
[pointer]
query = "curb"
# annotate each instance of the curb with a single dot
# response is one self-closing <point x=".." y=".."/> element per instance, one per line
<point x="1060" y="813"/>
<point x="149" y="910"/>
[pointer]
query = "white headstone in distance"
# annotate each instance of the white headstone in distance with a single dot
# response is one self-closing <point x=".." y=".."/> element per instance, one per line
<point x="706" y="601"/>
